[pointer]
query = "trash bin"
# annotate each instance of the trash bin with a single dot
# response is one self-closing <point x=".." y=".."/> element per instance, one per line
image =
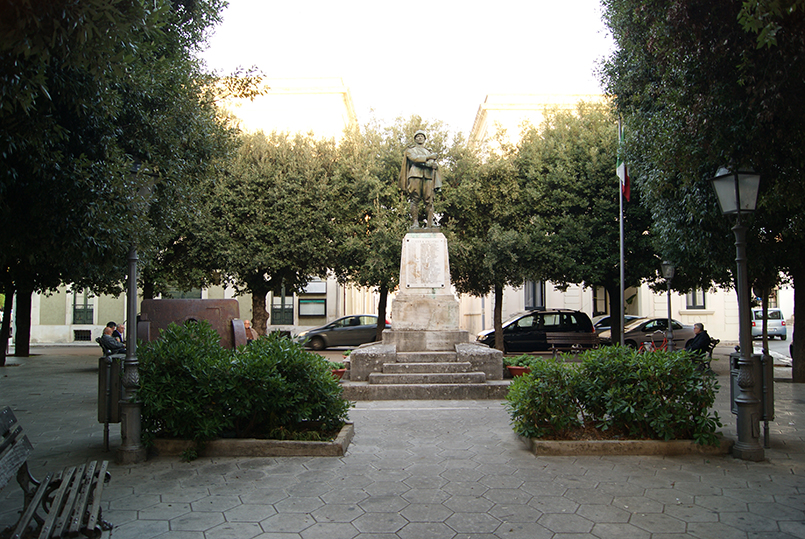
<point x="109" y="368"/>
<point x="763" y="386"/>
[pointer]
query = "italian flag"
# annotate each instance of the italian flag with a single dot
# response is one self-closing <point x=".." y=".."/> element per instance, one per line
<point x="623" y="172"/>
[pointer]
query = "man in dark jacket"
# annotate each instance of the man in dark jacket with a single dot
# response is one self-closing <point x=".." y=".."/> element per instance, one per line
<point x="700" y="343"/>
<point x="110" y="343"/>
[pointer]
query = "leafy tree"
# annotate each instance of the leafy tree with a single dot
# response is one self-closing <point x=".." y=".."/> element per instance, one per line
<point x="272" y="214"/>
<point x="92" y="92"/>
<point x="697" y="91"/>
<point x="485" y="219"/>
<point x="570" y="192"/>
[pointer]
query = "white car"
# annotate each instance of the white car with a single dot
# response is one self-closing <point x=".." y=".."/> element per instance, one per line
<point x="775" y="327"/>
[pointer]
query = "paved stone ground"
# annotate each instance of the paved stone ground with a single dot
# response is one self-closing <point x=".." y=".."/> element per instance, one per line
<point x="415" y="469"/>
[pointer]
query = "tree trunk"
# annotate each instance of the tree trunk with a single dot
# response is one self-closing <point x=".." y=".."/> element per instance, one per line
<point x="259" y="312"/>
<point x="148" y="290"/>
<point x="498" y="318"/>
<point x="798" y="343"/>
<point x="22" y="338"/>
<point x="616" y="330"/>
<point x="383" y="291"/>
<point x="8" y="290"/>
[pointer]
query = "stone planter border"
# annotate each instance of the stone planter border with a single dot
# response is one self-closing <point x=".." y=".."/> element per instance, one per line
<point x="547" y="448"/>
<point x="260" y="448"/>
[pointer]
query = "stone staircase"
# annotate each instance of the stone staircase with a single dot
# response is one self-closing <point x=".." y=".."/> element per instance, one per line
<point x="425" y="375"/>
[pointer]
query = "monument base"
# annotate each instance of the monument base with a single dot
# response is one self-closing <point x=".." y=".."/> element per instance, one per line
<point x="425" y="352"/>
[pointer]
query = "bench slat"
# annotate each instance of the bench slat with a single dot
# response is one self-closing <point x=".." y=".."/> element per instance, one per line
<point x="14" y="455"/>
<point x="63" y="518"/>
<point x="85" y="484"/>
<point x="58" y="497"/>
<point x="26" y="517"/>
<point x="95" y="510"/>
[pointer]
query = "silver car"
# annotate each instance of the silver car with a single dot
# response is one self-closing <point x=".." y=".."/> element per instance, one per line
<point x="775" y="327"/>
<point x="350" y="330"/>
<point x="651" y="330"/>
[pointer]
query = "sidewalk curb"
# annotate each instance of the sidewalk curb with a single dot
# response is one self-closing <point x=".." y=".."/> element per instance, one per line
<point x="553" y="448"/>
<point x="259" y="448"/>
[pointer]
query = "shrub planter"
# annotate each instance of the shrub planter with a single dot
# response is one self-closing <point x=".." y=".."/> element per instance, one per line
<point x="338" y="373"/>
<point x="253" y="447"/>
<point x="516" y="370"/>
<point x="548" y="448"/>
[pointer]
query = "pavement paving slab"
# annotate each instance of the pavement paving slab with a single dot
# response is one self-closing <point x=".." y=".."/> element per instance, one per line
<point x="415" y="469"/>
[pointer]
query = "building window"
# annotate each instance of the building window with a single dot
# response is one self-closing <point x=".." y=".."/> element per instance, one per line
<point x="83" y="308"/>
<point x="315" y="286"/>
<point x="695" y="299"/>
<point x="600" y="301"/>
<point x="174" y="293"/>
<point x="534" y="295"/>
<point x="312" y="307"/>
<point x="281" y="314"/>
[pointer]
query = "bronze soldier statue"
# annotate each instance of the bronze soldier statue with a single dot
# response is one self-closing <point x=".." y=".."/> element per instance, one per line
<point x="419" y="178"/>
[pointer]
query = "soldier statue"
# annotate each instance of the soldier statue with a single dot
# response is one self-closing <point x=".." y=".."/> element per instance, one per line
<point x="419" y="178"/>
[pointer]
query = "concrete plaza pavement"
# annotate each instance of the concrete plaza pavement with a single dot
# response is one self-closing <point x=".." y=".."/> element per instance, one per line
<point x="415" y="469"/>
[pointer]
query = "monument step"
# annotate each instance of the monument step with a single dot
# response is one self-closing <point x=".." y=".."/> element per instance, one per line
<point x="428" y="378"/>
<point x="362" y="391"/>
<point x="410" y="368"/>
<point x="426" y="357"/>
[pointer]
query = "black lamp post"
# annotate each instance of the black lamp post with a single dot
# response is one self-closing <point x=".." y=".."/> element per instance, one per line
<point x="668" y="273"/>
<point x="737" y="194"/>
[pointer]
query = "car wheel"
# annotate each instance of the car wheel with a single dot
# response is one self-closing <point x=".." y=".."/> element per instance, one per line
<point x="783" y="337"/>
<point x="630" y="344"/>
<point x="317" y="343"/>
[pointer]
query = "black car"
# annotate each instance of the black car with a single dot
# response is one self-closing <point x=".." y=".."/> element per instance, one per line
<point x="350" y="330"/>
<point x="527" y="332"/>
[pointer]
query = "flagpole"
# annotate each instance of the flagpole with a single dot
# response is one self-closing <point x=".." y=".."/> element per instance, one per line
<point x="620" y="220"/>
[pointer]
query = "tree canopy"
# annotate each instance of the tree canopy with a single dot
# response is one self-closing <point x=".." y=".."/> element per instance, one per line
<point x="702" y="85"/>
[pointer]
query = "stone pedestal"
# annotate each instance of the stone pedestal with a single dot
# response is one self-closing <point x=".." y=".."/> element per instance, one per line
<point x="425" y="346"/>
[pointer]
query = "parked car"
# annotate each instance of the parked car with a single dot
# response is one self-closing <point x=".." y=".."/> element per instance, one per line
<point x="601" y="323"/>
<point x="350" y="330"/>
<point x="651" y="330"/>
<point x="527" y="332"/>
<point x="775" y="325"/>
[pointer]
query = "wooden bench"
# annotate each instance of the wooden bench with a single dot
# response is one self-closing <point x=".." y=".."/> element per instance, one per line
<point x="574" y="343"/>
<point x="63" y="504"/>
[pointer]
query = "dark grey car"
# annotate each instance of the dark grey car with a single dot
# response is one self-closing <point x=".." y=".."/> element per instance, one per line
<point x="350" y="330"/>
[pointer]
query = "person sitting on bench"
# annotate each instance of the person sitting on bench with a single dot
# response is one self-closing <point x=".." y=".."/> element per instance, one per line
<point x="110" y="343"/>
<point x="700" y="343"/>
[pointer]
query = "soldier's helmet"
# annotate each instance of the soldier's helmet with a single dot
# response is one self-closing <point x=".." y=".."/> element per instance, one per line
<point x="420" y="132"/>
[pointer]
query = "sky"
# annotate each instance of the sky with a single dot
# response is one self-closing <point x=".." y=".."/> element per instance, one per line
<point x="437" y="59"/>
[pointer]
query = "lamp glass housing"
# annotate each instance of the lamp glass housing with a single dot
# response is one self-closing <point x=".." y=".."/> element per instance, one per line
<point x="668" y="270"/>
<point x="736" y="191"/>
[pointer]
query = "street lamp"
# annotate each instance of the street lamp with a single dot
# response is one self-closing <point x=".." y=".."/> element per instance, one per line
<point x="737" y="193"/>
<point x="668" y="274"/>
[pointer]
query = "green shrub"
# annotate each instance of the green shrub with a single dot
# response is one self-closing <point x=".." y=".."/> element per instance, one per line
<point x="542" y="402"/>
<point x="655" y="395"/>
<point x="192" y="388"/>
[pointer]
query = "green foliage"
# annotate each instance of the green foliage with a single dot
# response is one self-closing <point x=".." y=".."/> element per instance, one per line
<point x="542" y="402"/>
<point x="191" y="388"/>
<point x="656" y="395"/>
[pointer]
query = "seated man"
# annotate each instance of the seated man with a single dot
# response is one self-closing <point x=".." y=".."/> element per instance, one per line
<point x="110" y="343"/>
<point x="251" y="334"/>
<point x="700" y="342"/>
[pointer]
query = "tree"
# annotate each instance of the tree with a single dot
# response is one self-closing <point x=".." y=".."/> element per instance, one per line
<point x="485" y="219"/>
<point x="92" y="92"/>
<point x="696" y="91"/>
<point x="272" y="213"/>
<point x="570" y="193"/>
